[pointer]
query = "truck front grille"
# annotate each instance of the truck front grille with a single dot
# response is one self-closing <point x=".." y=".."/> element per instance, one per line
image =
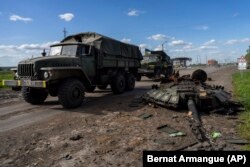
<point x="25" y="70"/>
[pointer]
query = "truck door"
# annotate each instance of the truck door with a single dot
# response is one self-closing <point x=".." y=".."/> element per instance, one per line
<point x="87" y="60"/>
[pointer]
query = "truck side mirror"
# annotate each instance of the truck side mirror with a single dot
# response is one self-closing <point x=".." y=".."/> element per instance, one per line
<point x="44" y="53"/>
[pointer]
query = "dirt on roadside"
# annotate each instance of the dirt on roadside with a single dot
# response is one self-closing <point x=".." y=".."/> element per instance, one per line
<point x="113" y="133"/>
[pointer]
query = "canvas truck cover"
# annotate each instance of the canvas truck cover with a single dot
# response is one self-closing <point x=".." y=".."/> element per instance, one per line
<point x="106" y="45"/>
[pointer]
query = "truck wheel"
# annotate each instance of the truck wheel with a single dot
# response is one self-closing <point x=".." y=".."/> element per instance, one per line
<point x="169" y="72"/>
<point x="118" y="84"/>
<point x="90" y="89"/>
<point x="102" y="87"/>
<point x="34" y="96"/>
<point x="130" y="82"/>
<point x="138" y="77"/>
<point x="71" y="93"/>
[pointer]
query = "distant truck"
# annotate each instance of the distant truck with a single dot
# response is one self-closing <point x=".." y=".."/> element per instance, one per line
<point x="154" y="65"/>
<point x="77" y="64"/>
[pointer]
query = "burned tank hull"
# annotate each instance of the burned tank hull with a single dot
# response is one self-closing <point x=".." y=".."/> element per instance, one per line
<point x="179" y="92"/>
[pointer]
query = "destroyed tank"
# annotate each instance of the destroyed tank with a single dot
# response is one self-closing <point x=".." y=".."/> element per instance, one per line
<point x="191" y="92"/>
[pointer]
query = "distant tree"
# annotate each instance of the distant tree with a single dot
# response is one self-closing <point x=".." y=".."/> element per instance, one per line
<point x="1" y="69"/>
<point x="248" y="55"/>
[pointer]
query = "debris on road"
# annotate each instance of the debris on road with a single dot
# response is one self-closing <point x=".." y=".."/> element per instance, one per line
<point x="237" y="141"/>
<point x="216" y="135"/>
<point x="145" y="116"/>
<point x="171" y="131"/>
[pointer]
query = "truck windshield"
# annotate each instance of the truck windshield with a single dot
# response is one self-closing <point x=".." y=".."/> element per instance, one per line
<point x="149" y="59"/>
<point x="69" y="50"/>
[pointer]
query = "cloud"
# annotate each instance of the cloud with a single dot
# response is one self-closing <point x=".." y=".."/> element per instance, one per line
<point x="12" y="54"/>
<point x="210" y="42"/>
<point x="23" y="47"/>
<point x="134" y="12"/>
<point x="177" y="50"/>
<point x="237" y="41"/>
<point x="179" y="43"/>
<point x="159" y="47"/>
<point x="232" y="41"/>
<point x="20" y="18"/>
<point x="206" y="47"/>
<point x="126" y="40"/>
<point x="203" y="28"/>
<point x="143" y="45"/>
<point x="186" y="46"/>
<point x="189" y="46"/>
<point x="66" y="16"/>
<point x="158" y="37"/>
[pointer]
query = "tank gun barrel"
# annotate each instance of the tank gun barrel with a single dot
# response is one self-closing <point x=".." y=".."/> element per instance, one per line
<point x="192" y="108"/>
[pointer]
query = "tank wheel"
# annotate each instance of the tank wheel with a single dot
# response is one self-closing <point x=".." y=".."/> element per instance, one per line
<point x="118" y="84"/>
<point x="130" y="82"/>
<point x="90" y="89"/>
<point x="71" y="93"/>
<point x="34" y="96"/>
<point x="102" y="87"/>
<point x="138" y="77"/>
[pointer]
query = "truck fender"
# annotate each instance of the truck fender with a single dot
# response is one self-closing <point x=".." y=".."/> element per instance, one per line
<point x="67" y="72"/>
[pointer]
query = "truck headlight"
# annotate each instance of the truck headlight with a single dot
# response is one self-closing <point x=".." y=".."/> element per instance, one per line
<point x="46" y="75"/>
<point x="16" y="74"/>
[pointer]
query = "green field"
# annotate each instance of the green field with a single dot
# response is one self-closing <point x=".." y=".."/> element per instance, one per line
<point x="5" y="75"/>
<point x="241" y="82"/>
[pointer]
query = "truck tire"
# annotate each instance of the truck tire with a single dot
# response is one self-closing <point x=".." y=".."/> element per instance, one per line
<point x="130" y="82"/>
<point x="138" y="77"/>
<point x="71" y="93"/>
<point x="16" y="88"/>
<point x="102" y="87"/>
<point x="34" y="96"/>
<point x="169" y="71"/>
<point x="90" y="89"/>
<point x="118" y="84"/>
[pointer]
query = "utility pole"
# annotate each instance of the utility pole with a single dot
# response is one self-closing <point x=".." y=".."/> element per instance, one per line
<point x="162" y="45"/>
<point x="64" y="32"/>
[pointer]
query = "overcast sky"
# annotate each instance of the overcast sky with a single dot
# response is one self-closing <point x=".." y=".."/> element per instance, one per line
<point x="209" y="29"/>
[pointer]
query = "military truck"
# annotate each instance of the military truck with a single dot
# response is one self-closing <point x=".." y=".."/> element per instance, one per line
<point x="155" y="64"/>
<point x="77" y="65"/>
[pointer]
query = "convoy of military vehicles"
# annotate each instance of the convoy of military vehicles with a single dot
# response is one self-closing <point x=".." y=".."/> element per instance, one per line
<point x="84" y="61"/>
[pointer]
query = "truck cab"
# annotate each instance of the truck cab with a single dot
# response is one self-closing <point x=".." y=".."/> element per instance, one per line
<point x="155" y="64"/>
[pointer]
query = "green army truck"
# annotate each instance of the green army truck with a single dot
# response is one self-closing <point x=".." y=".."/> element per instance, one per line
<point x="154" y="65"/>
<point x="78" y="64"/>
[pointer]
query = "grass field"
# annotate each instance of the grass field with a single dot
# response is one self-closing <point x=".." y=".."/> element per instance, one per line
<point x="241" y="82"/>
<point x="5" y="75"/>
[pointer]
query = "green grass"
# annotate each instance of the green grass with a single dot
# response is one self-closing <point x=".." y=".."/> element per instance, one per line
<point x="241" y="82"/>
<point x="5" y="75"/>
